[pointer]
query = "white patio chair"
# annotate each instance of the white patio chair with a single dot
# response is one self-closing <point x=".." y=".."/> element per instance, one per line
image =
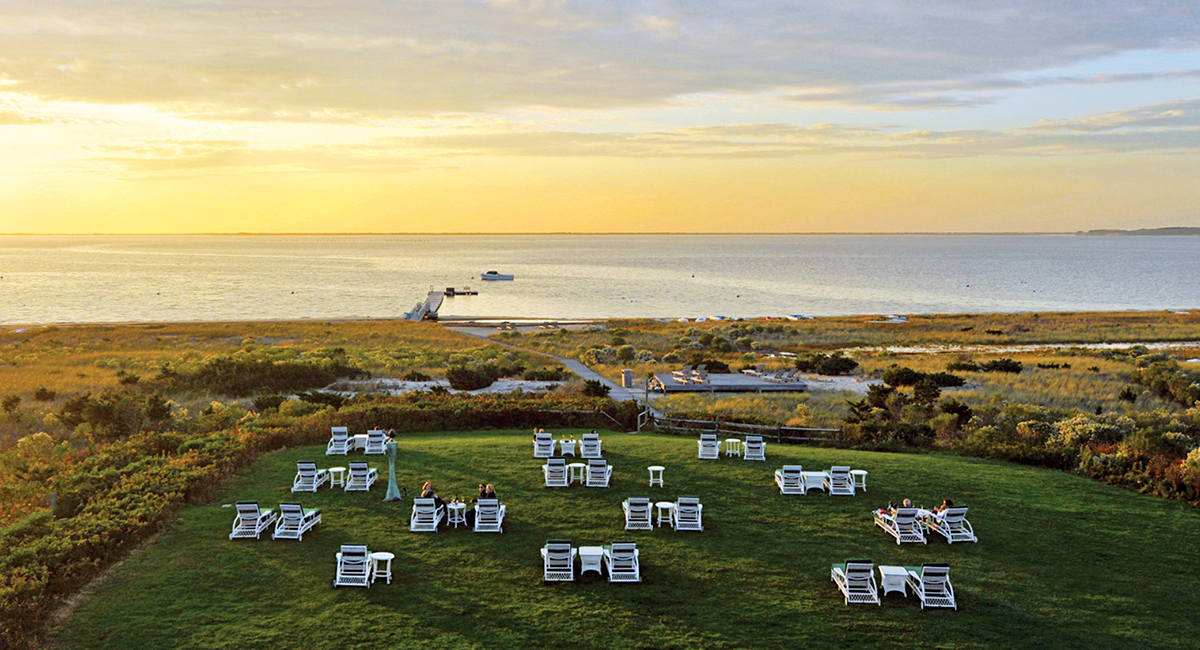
<point x="376" y="442"/>
<point x="543" y="445"/>
<point x="710" y="447"/>
<point x="294" y="521"/>
<point x="856" y="580"/>
<point x="308" y="477"/>
<point x="904" y="525"/>
<point x="558" y="560"/>
<point x="687" y="514"/>
<point x="700" y="375"/>
<point x="932" y="585"/>
<point x="353" y="567"/>
<point x="426" y="516"/>
<point x="339" y="442"/>
<point x="952" y="524"/>
<point x="754" y="448"/>
<point x="621" y="559"/>
<point x="790" y="479"/>
<point x="838" y="481"/>
<point x="361" y="477"/>
<point x="637" y="514"/>
<point x="598" y="473"/>
<point x="589" y="446"/>
<point x="555" y="470"/>
<point x="250" y="521"/>
<point x="489" y="516"/>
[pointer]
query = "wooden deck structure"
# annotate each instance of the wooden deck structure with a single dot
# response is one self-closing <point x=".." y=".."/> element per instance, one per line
<point x="665" y="382"/>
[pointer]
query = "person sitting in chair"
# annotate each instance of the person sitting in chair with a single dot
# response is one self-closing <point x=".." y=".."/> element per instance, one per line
<point x="470" y="514"/>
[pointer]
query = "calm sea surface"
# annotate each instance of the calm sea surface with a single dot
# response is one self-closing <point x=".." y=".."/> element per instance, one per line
<point x="47" y="279"/>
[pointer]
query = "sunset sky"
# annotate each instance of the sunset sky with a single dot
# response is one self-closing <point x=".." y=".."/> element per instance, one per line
<point x="598" y="116"/>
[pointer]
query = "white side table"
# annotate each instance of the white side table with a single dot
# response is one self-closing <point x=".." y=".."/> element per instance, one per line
<point x="456" y="513"/>
<point x="664" y="512"/>
<point x="893" y="578"/>
<point x="337" y="477"/>
<point x="859" y="476"/>
<point x="576" y="472"/>
<point x="733" y="447"/>
<point x="360" y="441"/>
<point x="813" y="481"/>
<point x="381" y="566"/>
<point x="656" y="475"/>
<point x="567" y="447"/>
<point x="591" y="559"/>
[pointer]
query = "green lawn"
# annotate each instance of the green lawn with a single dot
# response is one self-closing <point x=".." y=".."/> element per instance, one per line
<point x="1063" y="562"/>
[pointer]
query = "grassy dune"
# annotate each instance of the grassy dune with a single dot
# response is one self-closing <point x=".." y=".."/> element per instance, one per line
<point x="1064" y="562"/>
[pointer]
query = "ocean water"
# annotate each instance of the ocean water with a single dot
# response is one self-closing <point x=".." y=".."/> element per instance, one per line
<point x="52" y="279"/>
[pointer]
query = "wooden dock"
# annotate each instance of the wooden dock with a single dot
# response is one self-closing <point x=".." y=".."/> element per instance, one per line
<point x="665" y="382"/>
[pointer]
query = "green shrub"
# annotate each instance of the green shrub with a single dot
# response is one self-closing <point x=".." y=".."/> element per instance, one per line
<point x="463" y="378"/>
<point x="43" y="394"/>
<point x="266" y="402"/>
<point x="416" y="375"/>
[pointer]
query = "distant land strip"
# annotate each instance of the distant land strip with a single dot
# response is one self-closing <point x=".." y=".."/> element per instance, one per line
<point x="1147" y="231"/>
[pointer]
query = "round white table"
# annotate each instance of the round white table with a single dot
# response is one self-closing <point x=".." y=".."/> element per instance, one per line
<point x="381" y="566"/>
<point x="576" y="472"/>
<point x="656" y="472"/>
<point x="733" y="447"/>
<point x="456" y="513"/>
<point x="664" y="512"/>
<point x="337" y="477"/>
<point x="859" y="476"/>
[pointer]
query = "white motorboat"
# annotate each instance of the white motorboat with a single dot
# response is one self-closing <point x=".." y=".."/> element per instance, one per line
<point x="493" y="275"/>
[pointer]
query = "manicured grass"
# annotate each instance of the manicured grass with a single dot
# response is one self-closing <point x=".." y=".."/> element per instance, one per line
<point x="1063" y="562"/>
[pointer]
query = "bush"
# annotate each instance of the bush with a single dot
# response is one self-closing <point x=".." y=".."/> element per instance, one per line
<point x="43" y="394"/>
<point x="1001" y="365"/>
<point x="244" y="375"/>
<point x="964" y="366"/>
<point x="826" y="364"/>
<point x="10" y="403"/>
<point x="416" y="375"/>
<point x="593" y="388"/>
<point x="463" y="378"/>
<point x="266" y="402"/>
<point x="545" y="374"/>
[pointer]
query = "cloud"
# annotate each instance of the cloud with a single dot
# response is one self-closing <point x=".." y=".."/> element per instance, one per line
<point x="302" y="61"/>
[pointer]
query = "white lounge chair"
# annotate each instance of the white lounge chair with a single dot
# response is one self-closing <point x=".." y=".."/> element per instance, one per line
<point x="838" y="481"/>
<point x="339" y="442"/>
<point x="558" y="560"/>
<point x="555" y="470"/>
<point x="621" y="558"/>
<point x="295" y="520"/>
<point x="856" y="580"/>
<point x="932" y="585"/>
<point x="589" y="446"/>
<point x="754" y="448"/>
<point x="353" y="567"/>
<point x="710" y="447"/>
<point x="308" y="477"/>
<point x="790" y="479"/>
<point x="543" y="445"/>
<point x="637" y="514"/>
<point x="687" y="514"/>
<point x="489" y="516"/>
<point x="598" y="473"/>
<point x="250" y="521"/>
<point x="361" y="477"/>
<point x="904" y="525"/>
<point x="426" y="516"/>
<point x="376" y="442"/>
<point x="700" y="374"/>
<point x="952" y="524"/>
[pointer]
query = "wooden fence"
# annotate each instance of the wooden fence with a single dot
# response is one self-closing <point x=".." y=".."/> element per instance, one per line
<point x="777" y="433"/>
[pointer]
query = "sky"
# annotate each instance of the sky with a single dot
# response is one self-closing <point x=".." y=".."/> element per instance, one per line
<point x="264" y="116"/>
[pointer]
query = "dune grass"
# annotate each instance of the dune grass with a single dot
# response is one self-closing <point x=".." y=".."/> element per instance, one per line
<point x="1063" y="562"/>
